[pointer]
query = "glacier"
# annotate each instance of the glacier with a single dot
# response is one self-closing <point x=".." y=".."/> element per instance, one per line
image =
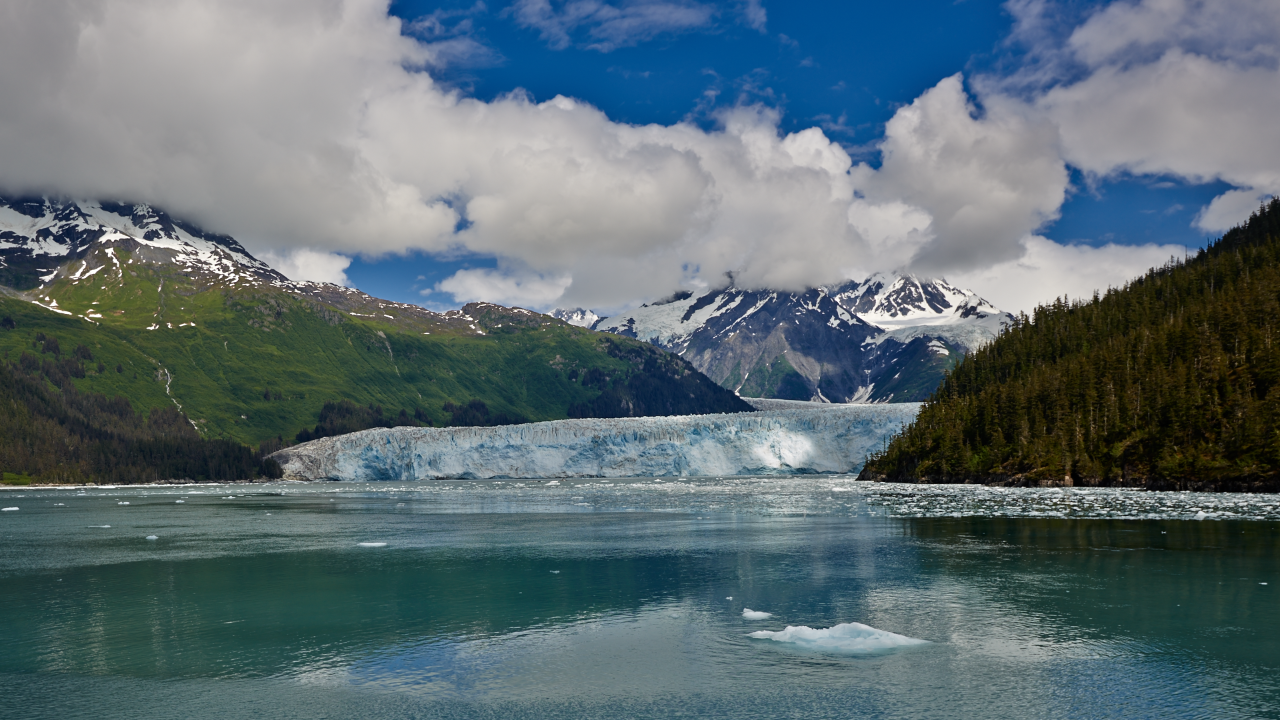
<point x="785" y="438"/>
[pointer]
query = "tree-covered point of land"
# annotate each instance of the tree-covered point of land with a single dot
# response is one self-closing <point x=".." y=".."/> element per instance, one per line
<point x="1171" y="382"/>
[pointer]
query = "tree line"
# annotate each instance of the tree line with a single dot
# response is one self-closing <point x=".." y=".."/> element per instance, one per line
<point x="1171" y="382"/>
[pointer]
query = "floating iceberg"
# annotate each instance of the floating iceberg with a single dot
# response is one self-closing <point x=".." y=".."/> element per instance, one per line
<point x="372" y="544"/>
<point x="8" y="509"/>
<point x="813" y="438"/>
<point x="153" y="537"/>
<point x="750" y="614"/>
<point x="845" y="638"/>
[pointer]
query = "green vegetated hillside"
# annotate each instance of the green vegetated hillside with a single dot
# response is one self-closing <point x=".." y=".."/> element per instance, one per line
<point x="257" y="362"/>
<point x="262" y="365"/>
<point x="1172" y="382"/>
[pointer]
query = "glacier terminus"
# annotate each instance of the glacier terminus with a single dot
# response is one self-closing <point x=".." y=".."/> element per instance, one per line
<point x="780" y="438"/>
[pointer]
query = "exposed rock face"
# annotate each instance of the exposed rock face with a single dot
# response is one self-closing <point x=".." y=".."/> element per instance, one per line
<point x="885" y="339"/>
<point x="804" y="438"/>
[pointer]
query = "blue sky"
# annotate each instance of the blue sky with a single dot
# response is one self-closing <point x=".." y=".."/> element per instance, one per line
<point x="601" y="153"/>
<point x="843" y="66"/>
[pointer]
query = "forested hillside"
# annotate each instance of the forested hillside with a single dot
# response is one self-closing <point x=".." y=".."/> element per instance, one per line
<point x="54" y="433"/>
<point x="1172" y="382"/>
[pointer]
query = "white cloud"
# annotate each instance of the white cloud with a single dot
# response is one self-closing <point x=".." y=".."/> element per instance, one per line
<point x="754" y="15"/>
<point x="610" y="26"/>
<point x="308" y="264"/>
<point x="306" y="126"/>
<point x="987" y="181"/>
<point x="505" y="288"/>
<point x="1181" y="87"/>
<point x="1049" y="270"/>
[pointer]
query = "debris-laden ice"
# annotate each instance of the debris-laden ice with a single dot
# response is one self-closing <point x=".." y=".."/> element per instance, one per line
<point x="847" y="638"/>
<point x="819" y="438"/>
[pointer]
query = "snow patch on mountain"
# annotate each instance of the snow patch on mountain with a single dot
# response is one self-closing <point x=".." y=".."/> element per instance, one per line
<point x="809" y="438"/>
<point x="576" y="316"/>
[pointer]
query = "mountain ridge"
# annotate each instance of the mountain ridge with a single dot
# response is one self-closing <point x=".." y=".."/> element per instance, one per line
<point x="182" y="318"/>
<point x="888" y="338"/>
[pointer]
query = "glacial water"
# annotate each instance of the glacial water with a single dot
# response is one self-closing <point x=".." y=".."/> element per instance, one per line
<point x="637" y="599"/>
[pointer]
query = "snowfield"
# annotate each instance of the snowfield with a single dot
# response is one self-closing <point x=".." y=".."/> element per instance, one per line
<point x="821" y="438"/>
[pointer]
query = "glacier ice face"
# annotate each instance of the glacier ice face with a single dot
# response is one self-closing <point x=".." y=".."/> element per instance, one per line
<point x="823" y="438"/>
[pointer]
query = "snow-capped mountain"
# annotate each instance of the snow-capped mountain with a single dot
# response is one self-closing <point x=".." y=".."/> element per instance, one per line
<point x="38" y="235"/>
<point x="576" y="316"/>
<point x="887" y="338"/>
<point x="93" y="257"/>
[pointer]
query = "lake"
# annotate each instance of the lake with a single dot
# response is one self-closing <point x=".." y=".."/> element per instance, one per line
<point x="626" y="599"/>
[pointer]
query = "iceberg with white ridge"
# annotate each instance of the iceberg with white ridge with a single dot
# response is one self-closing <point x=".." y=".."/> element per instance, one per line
<point x="845" y="638"/>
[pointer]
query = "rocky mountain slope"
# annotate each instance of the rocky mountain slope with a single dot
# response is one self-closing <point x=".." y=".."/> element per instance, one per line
<point x="174" y="316"/>
<point x="885" y="339"/>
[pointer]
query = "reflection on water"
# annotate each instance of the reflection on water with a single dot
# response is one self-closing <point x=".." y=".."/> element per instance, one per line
<point x="625" y="599"/>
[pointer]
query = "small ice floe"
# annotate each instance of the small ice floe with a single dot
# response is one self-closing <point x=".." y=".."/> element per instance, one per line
<point x="1262" y="583"/>
<point x="59" y="504"/>
<point x="372" y="544"/>
<point x="729" y="598"/>
<point x="153" y="537"/>
<point x="749" y="614"/>
<point x="126" y="502"/>
<point x="555" y="572"/>
<point x="99" y="526"/>
<point x="1201" y="515"/>
<point x="553" y="483"/>
<point x="8" y="509"/>
<point x="179" y="502"/>
<point x="845" y="638"/>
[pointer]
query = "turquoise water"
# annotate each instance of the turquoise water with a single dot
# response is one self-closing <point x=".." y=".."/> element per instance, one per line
<point x="624" y="599"/>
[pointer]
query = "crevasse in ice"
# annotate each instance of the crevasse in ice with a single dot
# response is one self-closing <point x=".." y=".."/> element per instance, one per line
<point x="805" y="438"/>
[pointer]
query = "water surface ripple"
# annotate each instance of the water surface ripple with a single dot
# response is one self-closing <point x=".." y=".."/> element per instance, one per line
<point x="625" y="599"/>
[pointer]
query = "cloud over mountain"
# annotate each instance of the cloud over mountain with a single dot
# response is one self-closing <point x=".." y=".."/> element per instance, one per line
<point x="317" y="126"/>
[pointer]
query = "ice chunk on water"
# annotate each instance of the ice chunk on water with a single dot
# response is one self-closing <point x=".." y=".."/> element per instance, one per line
<point x="179" y="501"/>
<point x="8" y="509"/>
<point x="123" y="503"/>
<point x="372" y="544"/>
<point x="153" y="537"/>
<point x="1201" y="515"/>
<point x="750" y="614"/>
<point x="848" y="638"/>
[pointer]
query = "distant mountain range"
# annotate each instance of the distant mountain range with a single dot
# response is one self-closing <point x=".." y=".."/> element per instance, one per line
<point x="889" y="338"/>
<point x="169" y="315"/>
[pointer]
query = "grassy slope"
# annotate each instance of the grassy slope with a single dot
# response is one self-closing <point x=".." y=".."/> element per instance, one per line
<point x="248" y="343"/>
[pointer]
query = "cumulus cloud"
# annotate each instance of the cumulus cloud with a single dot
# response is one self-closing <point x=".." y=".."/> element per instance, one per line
<point x="987" y="181"/>
<point x="308" y="264"/>
<point x="1181" y="87"/>
<point x="314" y="131"/>
<point x="504" y="287"/>
<point x="1050" y="270"/>
<point x="611" y="26"/>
